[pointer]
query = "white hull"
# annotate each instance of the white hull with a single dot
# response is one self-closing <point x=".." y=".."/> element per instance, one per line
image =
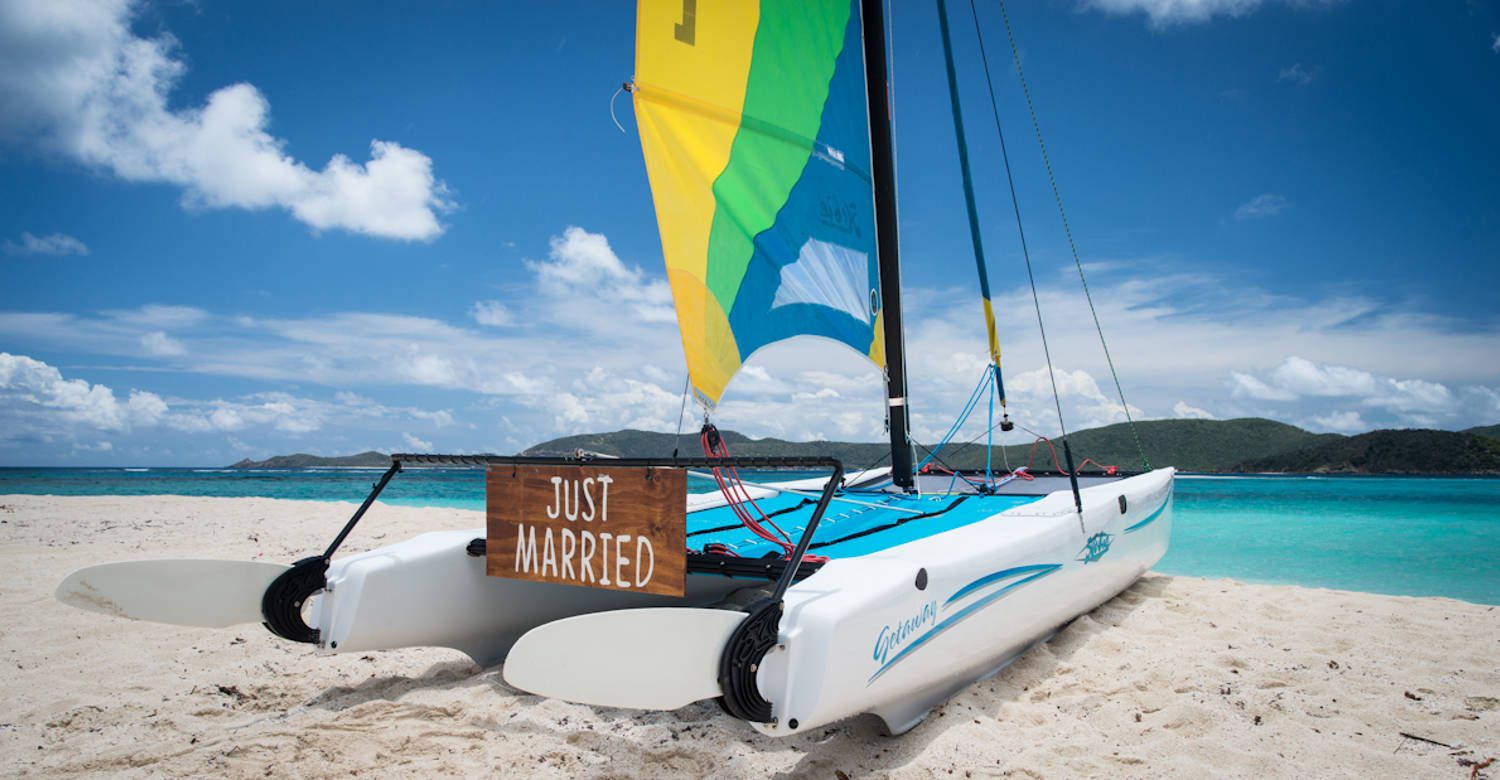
<point x="429" y="592"/>
<point x="859" y="636"/>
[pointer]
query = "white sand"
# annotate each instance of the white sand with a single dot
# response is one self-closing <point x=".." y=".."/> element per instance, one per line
<point x="1177" y="676"/>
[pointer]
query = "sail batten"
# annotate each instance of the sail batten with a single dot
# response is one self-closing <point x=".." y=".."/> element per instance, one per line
<point x="760" y="171"/>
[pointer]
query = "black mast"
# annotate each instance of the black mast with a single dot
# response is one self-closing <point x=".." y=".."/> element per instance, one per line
<point x="883" y="168"/>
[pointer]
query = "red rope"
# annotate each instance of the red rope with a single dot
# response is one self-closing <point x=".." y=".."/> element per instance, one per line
<point x="738" y="498"/>
<point x="1110" y="470"/>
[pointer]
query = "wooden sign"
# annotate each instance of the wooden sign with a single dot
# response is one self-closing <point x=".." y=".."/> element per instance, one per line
<point x="614" y="528"/>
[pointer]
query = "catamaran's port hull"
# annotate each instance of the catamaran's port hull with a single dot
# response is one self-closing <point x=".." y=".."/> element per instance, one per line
<point x="429" y="591"/>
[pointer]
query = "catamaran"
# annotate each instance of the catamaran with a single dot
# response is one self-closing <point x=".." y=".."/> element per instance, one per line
<point x="766" y="132"/>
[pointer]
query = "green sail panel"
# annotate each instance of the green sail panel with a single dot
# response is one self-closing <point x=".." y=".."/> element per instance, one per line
<point x="760" y="171"/>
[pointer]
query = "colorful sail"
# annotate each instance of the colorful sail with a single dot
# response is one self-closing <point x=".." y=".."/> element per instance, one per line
<point x="755" y="131"/>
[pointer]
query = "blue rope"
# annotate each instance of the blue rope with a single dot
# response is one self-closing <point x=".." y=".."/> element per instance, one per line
<point x="985" y="383"/>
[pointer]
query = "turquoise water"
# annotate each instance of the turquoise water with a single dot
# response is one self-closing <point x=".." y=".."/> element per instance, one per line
<point x="1411" y="536"/>
<point x="1414" y="536"/>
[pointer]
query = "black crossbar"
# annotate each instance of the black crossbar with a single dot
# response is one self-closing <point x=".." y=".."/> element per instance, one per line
<point x="788" y="572"/>
<point x="752" y="462"/>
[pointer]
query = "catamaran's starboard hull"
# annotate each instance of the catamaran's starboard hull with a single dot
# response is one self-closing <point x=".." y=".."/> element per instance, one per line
<point x="873" y="634"/>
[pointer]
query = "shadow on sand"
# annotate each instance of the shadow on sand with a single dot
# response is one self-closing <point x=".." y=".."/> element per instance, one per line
<point x="865" y="735"/>
<point x="691" y="740"/>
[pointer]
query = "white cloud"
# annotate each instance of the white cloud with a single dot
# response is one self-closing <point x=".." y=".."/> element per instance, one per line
<point x="75" y="81"/>
<point x="1232" y="348"/>
<point x="492" y="313"/>
<point x="1267" y="205"/>
<point x="440" y="418"/>
<point x="1402" y="402"/>
<point x="604" y="400"/>
<point x="1345" y="421"/>
<point x="1301" y="377"/>
<point x="1164" y="13"/>
<point x="1183" y="411"/>
<point x="1243" y="385"/>
<point x="1084" y="404"/>
<point x="145" y="408"/>
<point x="34" y="396"/>
<point x="1298" y="75"/>
<point x="226" y="418"/>
<point x="57" y="244"/>
<point x="155" y="315"/>
<point x="582" y="268"/>
<point x="160" y="344"/>
<point x="417" y="445"/>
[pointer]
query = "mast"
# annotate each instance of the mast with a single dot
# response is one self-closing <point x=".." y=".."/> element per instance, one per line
<point x="883" y="169"/>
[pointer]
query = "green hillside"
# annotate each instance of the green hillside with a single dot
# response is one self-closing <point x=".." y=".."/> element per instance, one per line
<point x="643" y="444"/>
<point x="1190" y="445"/>
<point x="1389" y="452"/>
<point x="1244" y="445"/>
<point x="1492" y="431"/>
<point x="304" y="461"/>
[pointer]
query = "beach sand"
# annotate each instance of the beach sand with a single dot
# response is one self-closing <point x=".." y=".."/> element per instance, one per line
<point x="1176" y="676"/>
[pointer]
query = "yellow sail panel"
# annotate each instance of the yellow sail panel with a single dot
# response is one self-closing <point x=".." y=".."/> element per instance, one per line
<point x="690" y="74"/>
<point x="711" y="352"/>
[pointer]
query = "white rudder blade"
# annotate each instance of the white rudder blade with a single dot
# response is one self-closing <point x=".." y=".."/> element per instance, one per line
<point x="658" y="658"/>
<point x="181" y="591"/>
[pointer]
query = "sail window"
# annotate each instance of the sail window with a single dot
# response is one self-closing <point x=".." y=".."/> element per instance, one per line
<point x="827" y="274"/>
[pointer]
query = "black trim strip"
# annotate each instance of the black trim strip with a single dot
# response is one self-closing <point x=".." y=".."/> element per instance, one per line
<point x="715" y="563"/>
<point x="777" y="513"/>
<point x="890" y="525"/>
<point x="756" y="568"/>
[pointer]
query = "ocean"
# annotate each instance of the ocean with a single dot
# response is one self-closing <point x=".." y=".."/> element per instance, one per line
<point x="1408" y="536"/>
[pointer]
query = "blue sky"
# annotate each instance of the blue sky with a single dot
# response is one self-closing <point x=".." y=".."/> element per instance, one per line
<point x="236" y="229"/>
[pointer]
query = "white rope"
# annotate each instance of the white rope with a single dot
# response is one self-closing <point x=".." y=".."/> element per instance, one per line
<point x="612" y="106"/>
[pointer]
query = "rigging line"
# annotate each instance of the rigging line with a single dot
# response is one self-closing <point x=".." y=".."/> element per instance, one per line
<point x="1057" y="195"/>
<point x="877" y="461"/>
<point x="1016" y="205"/>
<point x="982" y="388"/>
<point x="1003" y="448"/>
<point x="932" y="455"/>
<point x="681" y="412"/>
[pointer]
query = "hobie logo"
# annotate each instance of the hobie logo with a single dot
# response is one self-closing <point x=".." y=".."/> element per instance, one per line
<point x="1097" y="546"/>
<point x="892" y="638"/>
<point x="839" y="214"/>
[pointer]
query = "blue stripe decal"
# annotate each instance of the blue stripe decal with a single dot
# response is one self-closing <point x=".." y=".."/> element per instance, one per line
<point x="997" y="576"/>
<point x="1040" y="571"/>
<point x="1149" y="520"/>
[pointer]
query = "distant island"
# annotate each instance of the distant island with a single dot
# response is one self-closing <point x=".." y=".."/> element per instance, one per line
<point x="303" y="461"/>
<point x="1244" y="446"/>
